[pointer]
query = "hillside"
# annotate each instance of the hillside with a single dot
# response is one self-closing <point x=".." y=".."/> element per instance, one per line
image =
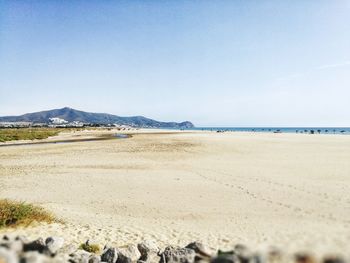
<point x="71" y="115"/>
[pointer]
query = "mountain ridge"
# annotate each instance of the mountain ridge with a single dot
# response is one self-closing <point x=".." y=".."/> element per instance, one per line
<point x="71" y="115"/>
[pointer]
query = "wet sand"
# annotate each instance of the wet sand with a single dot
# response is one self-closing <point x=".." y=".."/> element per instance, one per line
<point x="289" y="190"/>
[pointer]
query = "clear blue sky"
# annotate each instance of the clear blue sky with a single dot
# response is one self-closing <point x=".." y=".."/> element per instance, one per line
<point x="227" y="63"/>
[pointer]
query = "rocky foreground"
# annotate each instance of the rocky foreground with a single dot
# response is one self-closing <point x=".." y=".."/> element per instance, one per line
<point x="54" y="249"/>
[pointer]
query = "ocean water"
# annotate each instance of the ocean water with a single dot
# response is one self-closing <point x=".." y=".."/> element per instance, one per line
<point x="307" y="130"/>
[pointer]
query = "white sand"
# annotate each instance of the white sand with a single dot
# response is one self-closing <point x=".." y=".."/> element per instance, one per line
<point x="289" y="190"/>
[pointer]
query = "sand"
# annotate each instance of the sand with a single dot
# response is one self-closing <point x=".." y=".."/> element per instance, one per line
<point x="288" y="190"/>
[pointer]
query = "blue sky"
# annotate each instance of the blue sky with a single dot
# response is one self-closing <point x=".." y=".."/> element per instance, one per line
<point x="226" y="63"/>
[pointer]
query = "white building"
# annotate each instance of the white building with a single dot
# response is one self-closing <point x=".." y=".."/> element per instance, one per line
<point x="58" y="121"/>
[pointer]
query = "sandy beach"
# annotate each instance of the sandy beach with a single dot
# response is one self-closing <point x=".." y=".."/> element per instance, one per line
<point x="288" y="190"/>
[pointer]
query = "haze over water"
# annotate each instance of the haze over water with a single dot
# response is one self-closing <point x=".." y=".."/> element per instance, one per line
<point x="309" y="130"/>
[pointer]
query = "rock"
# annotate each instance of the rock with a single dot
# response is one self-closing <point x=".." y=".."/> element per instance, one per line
<point x="34" y="257"/>
<point x="21" y="238"/>
<point x="94" y="259"/>
<point x="14" y="250"/>
<point x="7" y="256"/>
<point x="201" y="250"/>
<point x="54" y="244"/>
<point x="16" y="246"/>
<point x="226" y="257"/>
<point x="109" y="255"/>
<point x="113" y="255"/>
<point x="333" y="259"/>
<point x="61" y="258"/>
<point x="6" y="238"/>
<point x="257" y="258"/>
<point x="148" y="250"/>
<point x="68" y="249"/>
<point x="304" y="258"/>
<point x="123" y="258"/>
<point x="274" y="255"/>
<point x="173" y="254"/>
<point x="80" y="256"/>
<point x="36" y="245"/>
<point x="131" y="252"/>
<point x="150" y="259"/>
<point x="243" y="253"/>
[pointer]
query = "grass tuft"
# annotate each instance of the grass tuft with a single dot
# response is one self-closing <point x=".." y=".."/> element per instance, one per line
<point x="14" y="214"/>
<point x="91" y="248"/>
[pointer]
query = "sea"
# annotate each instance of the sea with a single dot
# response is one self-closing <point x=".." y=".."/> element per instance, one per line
<point x="307" y="130"/>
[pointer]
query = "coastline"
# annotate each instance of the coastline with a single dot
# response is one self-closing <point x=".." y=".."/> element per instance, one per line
<point x="296" y="130"/>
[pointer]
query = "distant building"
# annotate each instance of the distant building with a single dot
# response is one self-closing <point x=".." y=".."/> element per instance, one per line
<point x="76" y="124"/>
<point x="57" y="121"/>
<point x="19" y="124"/>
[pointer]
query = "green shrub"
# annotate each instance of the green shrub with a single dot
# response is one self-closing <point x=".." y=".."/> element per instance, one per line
<point x="91" y="248"/>
<point x="19" y="213"/>
<point x="27" y="134"/>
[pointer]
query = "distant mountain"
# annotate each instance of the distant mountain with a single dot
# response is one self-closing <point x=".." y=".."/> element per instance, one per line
<point x="71" y="115"/>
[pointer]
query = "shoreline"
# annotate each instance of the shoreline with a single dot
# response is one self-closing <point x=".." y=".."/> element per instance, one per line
<point x="105" y="134"/>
